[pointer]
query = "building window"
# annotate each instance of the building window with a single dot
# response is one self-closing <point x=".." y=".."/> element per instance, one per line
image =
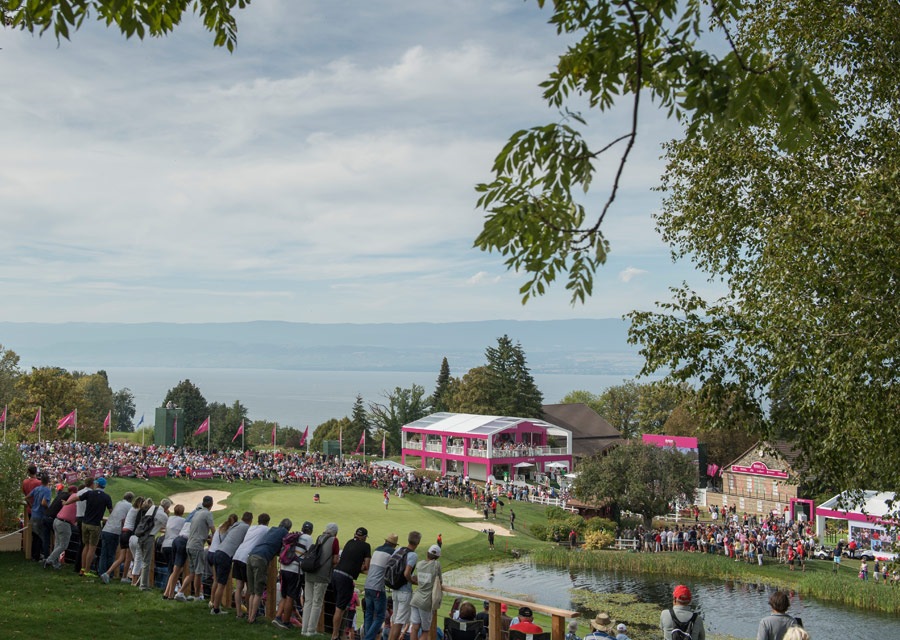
<point x="731" y="482"/>
<point x="749" y="483"/>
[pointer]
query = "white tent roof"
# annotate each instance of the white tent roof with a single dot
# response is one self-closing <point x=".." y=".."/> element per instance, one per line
<point x="477" y="425"/>
<point x="390" y="464"/>
<point x="873" y="503"/>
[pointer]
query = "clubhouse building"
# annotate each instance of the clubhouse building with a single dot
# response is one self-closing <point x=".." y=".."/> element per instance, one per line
<point x="482" y="446"/>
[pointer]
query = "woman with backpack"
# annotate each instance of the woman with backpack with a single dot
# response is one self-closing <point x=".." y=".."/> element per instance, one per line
<point x="423" y="603"/>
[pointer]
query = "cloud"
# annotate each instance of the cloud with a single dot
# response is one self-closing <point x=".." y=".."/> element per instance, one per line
<point x="629" y="273"/>
<point x="483" y="277"/>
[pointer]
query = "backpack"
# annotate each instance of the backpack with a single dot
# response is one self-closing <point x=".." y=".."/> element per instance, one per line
<point x="395" y="569"/>
<point x="316" y="556"/>
<point x="145" y="526"/>
<point x="682" y="630"/>
<point x="288" y="554"/>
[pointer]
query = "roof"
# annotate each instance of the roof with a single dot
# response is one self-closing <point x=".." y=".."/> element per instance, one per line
<point x="785" y="450"/>
<point x="591" y="433"/>
<point x="477" y="425"/>
<point x="872" y="503"/>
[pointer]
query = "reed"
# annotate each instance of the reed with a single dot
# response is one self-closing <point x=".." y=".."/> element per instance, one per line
<point x="817" y="580"/>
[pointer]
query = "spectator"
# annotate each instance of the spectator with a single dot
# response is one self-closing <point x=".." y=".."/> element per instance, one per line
<point x="421" y="609"/>
<point x="680" y="616"/>
<point x="621" y="628"/>
<point x="290" y="578"/>
<point x="317" y="581"/>
<point x="375" y="595"/>
<point x="148" y="540"/>
<point x="179" y="560"/>
<point x="224" y="556"/>
<point x="123" y="555"/>
<point x="96" y="504"/>
<point x="485" y="616"/>
<point x="239" y="562"/>
<point x="354" y="560"/>
<point x="402" y="596"/>
<point x="173" y="528"/>
<point x="526" y="622"/>
<point x="62" y="526"/>
<point x="202" y="526"/>
<point x="774" y="626"/>
<point x="258" y="565"/>
<point x="111" y="533"/>
<point x="40" y="497"/>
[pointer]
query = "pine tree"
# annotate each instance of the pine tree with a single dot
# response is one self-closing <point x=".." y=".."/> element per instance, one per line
<point x="441" y="388"/>
<point x="511" y="386"/>
<point x="359" y="422"/>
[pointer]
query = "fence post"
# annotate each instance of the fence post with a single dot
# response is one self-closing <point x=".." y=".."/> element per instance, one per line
<point x="557" y="628"/>
<point x="271" y="593"/>
<point x="432" y="632"/>
<point x="229" y="589"/>
<point x="495" y="624"/>
<point x="27" y="538"/>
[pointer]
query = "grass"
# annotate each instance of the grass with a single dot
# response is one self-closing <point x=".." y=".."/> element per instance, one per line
<point x="818" y="580"/>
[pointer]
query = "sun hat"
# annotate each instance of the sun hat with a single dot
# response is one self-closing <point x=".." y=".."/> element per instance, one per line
<point x="602" y="622"/>
<point x="392" y="539"/>
<point x="682" y="594"/>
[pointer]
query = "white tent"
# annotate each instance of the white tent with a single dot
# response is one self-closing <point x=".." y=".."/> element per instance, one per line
<point x="524" y="464"/>
<point x="390" y="464"/>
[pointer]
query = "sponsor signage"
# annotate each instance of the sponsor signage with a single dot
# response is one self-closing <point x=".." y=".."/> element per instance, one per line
<point x="759" y="469"/>
<point x="679" y="442"/>
<point x="200" y="474"/>
<point x="71" y="476"/>
<point x="125" y="470"/>
<point x="157" y="472"/>
<point x="96" y="473"/>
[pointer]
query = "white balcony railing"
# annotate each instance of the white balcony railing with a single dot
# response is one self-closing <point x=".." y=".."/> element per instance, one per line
<point x="414" y="444"/>
<point x="529" y="452"/>
<point x="478" y="453"/>
<point x="455" y="451"/>
<point x="434" y="448"/>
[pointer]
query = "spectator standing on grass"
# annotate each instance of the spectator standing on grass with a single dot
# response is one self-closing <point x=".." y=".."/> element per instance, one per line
<point x="180" y="561"/>
<point x="621" y="630"/>
<point x="258" y="565"/>
<point x="354" y="560"/>
<point x="774" y="626"/>
<point x="222" y="559"/>
<point x="375" y="595"/>
<point x="290" y="578"/>
<point x="173" y="528"/>
<point x="63" y="524"/>
<point x="160" y="515"/>
<point x="239" y="561"/>
<point x="202" y="526"/>
<point x="317" y="581"/>
<point x="40" y="497"/>
<point x="112" y="532"/>
<point x="679" y="620"/>
<point x="123" y="555"/>
<point x="96" y="503"/>
<point x="403" y="595"/>
<point x="421" y="603"/>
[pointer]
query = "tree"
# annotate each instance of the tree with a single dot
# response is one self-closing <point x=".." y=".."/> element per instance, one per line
<point x="807" y="243"/>
<point x="187" y="396"/>
<point x="123" y="410"/>
<point x="224" y="422"/>
<point x="471" y="393"/>
<point x="638" y="477"/>
<point x="581" y="396"/>
<point x="359" y="423"/>
<point x="95" y="403"/>
<point x="9" y="375"/>
<point x="656" y="403"/>
<point x="632" y="49"/>
<point x="56" y="392"/>
<point x="133" y="17"/>
<point x="441" y="388"/>
<point x="402" y="407"/>
<point x="12" y="470"/>
<point x="620" y="405"/>
<point x="512" y="388"/>
<point x="723" y="445"/>
<point x="329" y="430"/>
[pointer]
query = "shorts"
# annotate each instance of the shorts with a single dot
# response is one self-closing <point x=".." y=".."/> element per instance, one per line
<point x="343" y="589"/>
<point x="257" y="573"/>
<point x="195" y="560"/>
<point x="124" y="537"/>
<point x="222" y="563"/>
<point x="90" y="535"/>
<point x="179" y="551"/>
<point x="290" y="585"/>
<point x="239" y="570"/>
<point x="401" y="607"/>
<point x="421" y="617"/>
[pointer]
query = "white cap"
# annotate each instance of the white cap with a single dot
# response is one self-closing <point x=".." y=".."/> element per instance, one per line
<point x="620" y="627"/>
<point x="435" y="551"/>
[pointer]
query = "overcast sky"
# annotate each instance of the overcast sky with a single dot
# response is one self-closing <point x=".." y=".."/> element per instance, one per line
<point x="324" y="172"/>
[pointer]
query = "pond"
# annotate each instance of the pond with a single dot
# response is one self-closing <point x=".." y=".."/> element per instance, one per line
<point x="727" y="607"/>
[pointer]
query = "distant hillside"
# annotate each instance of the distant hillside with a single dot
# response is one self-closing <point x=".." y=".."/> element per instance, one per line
<point x="553" y="346"/>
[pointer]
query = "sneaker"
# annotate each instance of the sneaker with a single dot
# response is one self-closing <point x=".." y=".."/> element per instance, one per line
<point x="278" y="623"/>
<point x="220" y="612"/>
<point x="128" y="580"/>
<point x="201" y="598"/>
<point x="90" y="574"/>
<point x="190" y="598"/>
<point x="146" y="589"/>
<point x="105" y="578"/>
<point x="180" y="597"/>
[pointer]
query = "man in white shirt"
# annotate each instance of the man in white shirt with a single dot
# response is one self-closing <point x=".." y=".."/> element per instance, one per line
<point x="239" y="562"/>
<point x="109" y="535"/>
<point x="160" y="516"/>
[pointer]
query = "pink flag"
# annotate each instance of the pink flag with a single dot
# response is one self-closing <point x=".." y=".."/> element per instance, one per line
<point x="37" y="418"/>
<point x="65" y="422"/>
<point x="203" y="427"/>
<point x="383" y="440"/>
<point x="175" y="430"/>
<point x="305" y="434"/>
<point x="361" y="445"/>
<point x="107" y="421"/>
<point x="3" y="415"/>
<point x="274" y="426"/>
<point x="239" y="431"/>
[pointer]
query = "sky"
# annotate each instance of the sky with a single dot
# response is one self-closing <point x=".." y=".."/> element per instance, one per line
<point x="323" y="172"/>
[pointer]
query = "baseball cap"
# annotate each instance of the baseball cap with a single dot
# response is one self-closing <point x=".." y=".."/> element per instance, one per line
<point x="362" y="531"/>
<point x="621" y="627"/>
<point x="435" y="551"/>
<point x="307" y="527"/>
<point x="682" y="593"/>
<point x="101" y="482"/>
<point x="60" y="486"/>
<point x="526" y="612"/>
<point x="503" y="607"/>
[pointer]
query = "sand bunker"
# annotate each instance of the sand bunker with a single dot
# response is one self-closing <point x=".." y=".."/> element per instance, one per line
<point x="478" y="526"/>
<point x="459" y="512"/>
<point x="191" y="499"/>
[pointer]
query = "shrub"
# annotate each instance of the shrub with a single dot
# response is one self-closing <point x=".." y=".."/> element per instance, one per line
<point x="598" y="540"/>
<point x="12" y="471"/>
<point x="539" y="531"/>
<point x="575" y="522"/>
<point x="599" y="524"/>
<point x="556" y="513"/>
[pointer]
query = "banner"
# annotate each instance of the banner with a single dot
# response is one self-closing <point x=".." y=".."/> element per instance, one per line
<point x="70" y="477"/>
<point x="125" y="470"/>
<point x="157" y="472"/>
<point x="202" y="474"/>
<point x="97" y="473"/>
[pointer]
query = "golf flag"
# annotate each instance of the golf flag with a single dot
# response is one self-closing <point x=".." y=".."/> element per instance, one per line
<point x="3" y="415"/>
<point x="37" y="419"/>
<point x="239" y="431"/>
<point x="140" y="422"/>
<point x="274" y="426"/>
<point x="383" y="440"/>
<point x="65" y="422"/>
<point x="361" y="445"/>
<point x="107" y="421"/>
<point x="203" y="427"/>
<point x="305" y="434"/>
<point x="341" y="439"/>
<point x="175" y="430"/>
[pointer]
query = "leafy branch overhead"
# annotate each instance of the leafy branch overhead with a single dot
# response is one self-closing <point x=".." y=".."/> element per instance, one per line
<point x="133" y="17"/>
<point x="628" y="48"/>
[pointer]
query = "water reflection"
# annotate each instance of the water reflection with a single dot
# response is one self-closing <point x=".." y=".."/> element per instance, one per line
<point x="728" y="607"/>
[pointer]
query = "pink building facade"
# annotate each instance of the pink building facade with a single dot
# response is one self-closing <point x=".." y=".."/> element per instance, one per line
<point x="483" y="446"/>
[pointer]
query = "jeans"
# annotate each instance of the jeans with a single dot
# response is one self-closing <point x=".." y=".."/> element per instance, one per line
<point x="376" y="603"/>
<point x="46" y="530"/>
<point x="109" y="545"/>
<point x="37" y="541"/>
<point x="63" y="531"/>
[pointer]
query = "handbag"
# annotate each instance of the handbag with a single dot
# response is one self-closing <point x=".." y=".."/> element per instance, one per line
<point x="437" y="593"/>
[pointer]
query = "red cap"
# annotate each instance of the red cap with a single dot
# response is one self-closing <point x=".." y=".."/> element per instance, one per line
<point x="682" y="593"/>
<point x="503" y="607"/>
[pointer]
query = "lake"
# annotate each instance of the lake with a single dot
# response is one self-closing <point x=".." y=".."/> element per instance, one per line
<point x="299" y="398"/>
<point x="727" y="607"/>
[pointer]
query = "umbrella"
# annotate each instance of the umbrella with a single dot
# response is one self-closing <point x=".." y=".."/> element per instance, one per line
<point x="390" y="464"/>
<point x="571" y="475"/>
<point x="557" y="464"/>
<point x="524" y="464"/>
